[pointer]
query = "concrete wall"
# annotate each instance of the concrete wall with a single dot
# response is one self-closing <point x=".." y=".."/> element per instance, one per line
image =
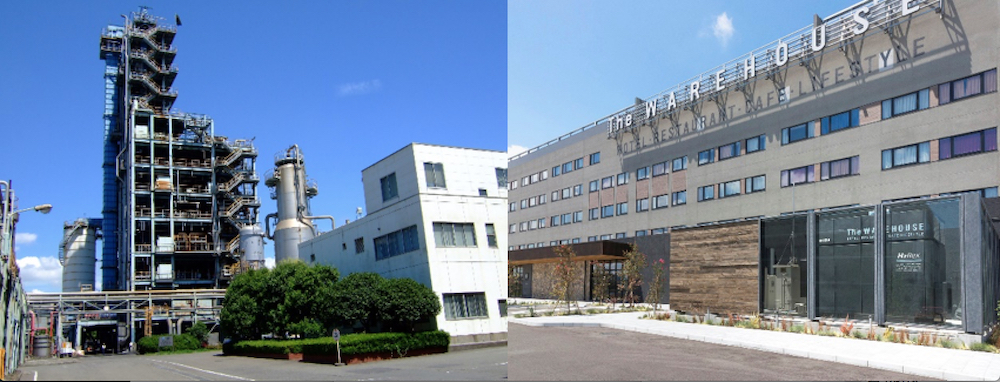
<point x="929" y="50"/>
<point x="445" y="270"/>
<point x="715" y="268"/>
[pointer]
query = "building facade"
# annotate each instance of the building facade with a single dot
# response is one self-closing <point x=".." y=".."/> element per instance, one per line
<point x="175" y="193"/>
<point x="436" y="215"/>
<point x="882" y="102"/>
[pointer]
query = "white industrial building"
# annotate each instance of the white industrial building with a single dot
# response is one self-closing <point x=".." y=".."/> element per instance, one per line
<point x="436" y="214"/>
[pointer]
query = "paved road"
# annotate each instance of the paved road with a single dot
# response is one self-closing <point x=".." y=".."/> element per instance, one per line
<point x="478" y="364"/>
<point x="575" y="353"/>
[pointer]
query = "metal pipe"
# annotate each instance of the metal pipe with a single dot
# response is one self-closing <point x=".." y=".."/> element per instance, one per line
<point x="333" y="223"/>
<point x="267" y="224"/>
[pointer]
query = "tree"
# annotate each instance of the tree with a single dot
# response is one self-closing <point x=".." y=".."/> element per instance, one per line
<point x="656" y="284"/>
<point x="601" y="283"/>
<point x="356" y="298"/>
<point x="635" y="261"/>
<point x="199" y="331"/>
<point x="514" y="283"/>
<point x="565" y="273"/>
<point x="300" y="295"/>
<point x="406" y="302"/>
<point x="243" y="313"/>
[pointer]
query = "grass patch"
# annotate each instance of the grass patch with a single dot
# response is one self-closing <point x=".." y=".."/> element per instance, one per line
<point x="797" y="328"/>
<point x="983" y="347"/>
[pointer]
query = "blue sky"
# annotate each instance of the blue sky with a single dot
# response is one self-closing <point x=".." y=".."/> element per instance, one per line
<point x="572" y="62"/>
<point x="350" y="82"/>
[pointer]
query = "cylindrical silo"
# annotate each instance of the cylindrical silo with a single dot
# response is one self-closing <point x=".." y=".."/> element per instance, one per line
<point x="252" y="244"/>
<point x="292" y="193"/>
<point x="77" y="254"/>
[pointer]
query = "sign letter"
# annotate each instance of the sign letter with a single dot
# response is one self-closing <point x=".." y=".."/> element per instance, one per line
<point x="749" y="67"/>
<point x="693" y="91"/>
<point x="671" y="102"/>
<point x="651" y="108"/>
<point x="719" y="79"/>
<point x="906" y="8"/>
<point x="861" y="17"/>
<point x="781" y="54"/>
<point x="819" y="38"/>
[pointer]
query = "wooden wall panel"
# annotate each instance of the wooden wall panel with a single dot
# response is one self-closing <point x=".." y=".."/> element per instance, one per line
<point x="714" y="268"/>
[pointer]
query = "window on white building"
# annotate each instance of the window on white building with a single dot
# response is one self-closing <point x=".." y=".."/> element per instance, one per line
<point x="435" y="174"/>
<point x="459" y="306"/>
<point x="389" y="189"/>
<point x="397" y="243"/>
<point x="455" y="234"/>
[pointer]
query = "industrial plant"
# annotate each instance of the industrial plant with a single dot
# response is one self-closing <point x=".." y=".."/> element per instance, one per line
<point x="180" y="209"/>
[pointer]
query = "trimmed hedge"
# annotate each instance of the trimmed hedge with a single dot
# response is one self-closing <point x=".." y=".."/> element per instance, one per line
<point x="151" y="344"/>
<point x="350" y="344"/>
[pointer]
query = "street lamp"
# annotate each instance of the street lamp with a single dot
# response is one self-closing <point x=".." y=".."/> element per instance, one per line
<point x="10" y="215"/>
<point x="43" y="208"/>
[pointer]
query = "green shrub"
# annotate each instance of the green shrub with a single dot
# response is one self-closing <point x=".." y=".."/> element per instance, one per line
<point x="859" y="335"/>
<point x="981" y="346"/>
<point x="151" y="344"/>
<point x="350" y="344"/>
<point x="199" y="331"/>
<point x="948" y="344"/>
<point x="797" y="328"/>
<point x="827" y="333"/>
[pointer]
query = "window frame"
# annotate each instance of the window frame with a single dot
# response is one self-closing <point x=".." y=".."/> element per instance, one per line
<point x="703" y="196"/>
<point x="786" y="133"/>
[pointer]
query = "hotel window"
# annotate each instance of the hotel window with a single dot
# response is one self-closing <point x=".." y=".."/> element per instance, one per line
<point x="729" y="189"/>
<point x="510" y="248"/>
<point x="554" y="221"/>
<point x="623" y="208"/>
<point x="567" y="167"/>
<point x="532" y="201"/>
<point x="524" y="203"/>
<point x="544" y="174"/>
<point x="906" y="155"/>
<point x="968" y="86"/>
<point x="642" y="173"/>
<point x="389" y="189"/>
<point x="839" y="168"/>
<point x="620" y="235"/>
<point x="641" y="232"/>
<point x="501" y="177"/>
<point x="359" y="245"/>
<point x="578" y="164"/>
<point x="591" y="238"/>
<point x="578" y="190"/>
<point x="524" y="182"/>
<point x="594" y="185"/>
<point x="706" y="157"/>
<point x="661" y="201"/>
<point x="555" y="196"/>
<point x="607" y="182"/>
<point x="577" y="216"/>
<point x="396" y="243"/>
<point x="567" y="218"/>
<point x="524" y="226"/>
<point x="513" y="228"/>
<point x="642" y="205"/>
<point x="541" y="199"/>
<point x="575" y="240"/>
<point x="805" y="174"/>
<point x="491" y="235"/>
<point x="608" y="211"/>
<point x="680" y="163"/>
<point x="595" y="158"/>
<point x="838" y="122"/>
<point x="706" y="193"/>
<point x="555" y="171"/>
<point x="564" y="241"/>
<point x="756" y="144"/>
<point x="513" y="185"/>
<point x="534" y="178"/>
<point x="553" y="243"/>
<point x="541" y="223"/>
<point x="659" y="169"/>
<point x="755" y="184"/>
<point x="530" y="246"/>
<point x="903" y="104"/>
<point x="965" y="144"/>
<point x="729" y="151"/>
<point x="594" y="214"/>
<point x="533" y="225"/>
<point x="679" y="197"/>
<point x="513" y="207"/>
<point x="797" y="133"/>
<point x="566" y="193"/>
<point x="657" y="231"/>
<point x="623" y="178"/>
<point x="459" y="306"/>
<point x="605" y="237"/>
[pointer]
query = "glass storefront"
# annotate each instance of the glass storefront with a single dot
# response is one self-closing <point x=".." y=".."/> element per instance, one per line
<point x="923" y="274"/>
<point x="845" y="263"/>
<point x="929" y="262"/>
<point x="784" y="265"/>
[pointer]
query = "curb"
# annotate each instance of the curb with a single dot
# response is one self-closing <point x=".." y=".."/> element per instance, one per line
<point x="889" y="366"/>
<point x="476" y="345"/>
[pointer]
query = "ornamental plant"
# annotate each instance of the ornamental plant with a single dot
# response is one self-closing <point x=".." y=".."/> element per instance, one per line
<point x="635" y="261"/>
<point x="656" y="284"/>
<point x="565" y="273"/>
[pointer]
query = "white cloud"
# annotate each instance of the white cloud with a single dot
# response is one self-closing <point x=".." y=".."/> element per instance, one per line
<point x="723" y="28"/>
<point x="269" y="262"/>
<point x="513" y="150"/>
<point x="41" y="270"/>
<point x="356" y="88"/>
<point x="25" y="238"/>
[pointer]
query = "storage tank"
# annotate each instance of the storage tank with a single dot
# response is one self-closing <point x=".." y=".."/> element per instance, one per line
<point x="289" y="187"/>
<point x="77" y="254"/>
<point x="252" y="245"/>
